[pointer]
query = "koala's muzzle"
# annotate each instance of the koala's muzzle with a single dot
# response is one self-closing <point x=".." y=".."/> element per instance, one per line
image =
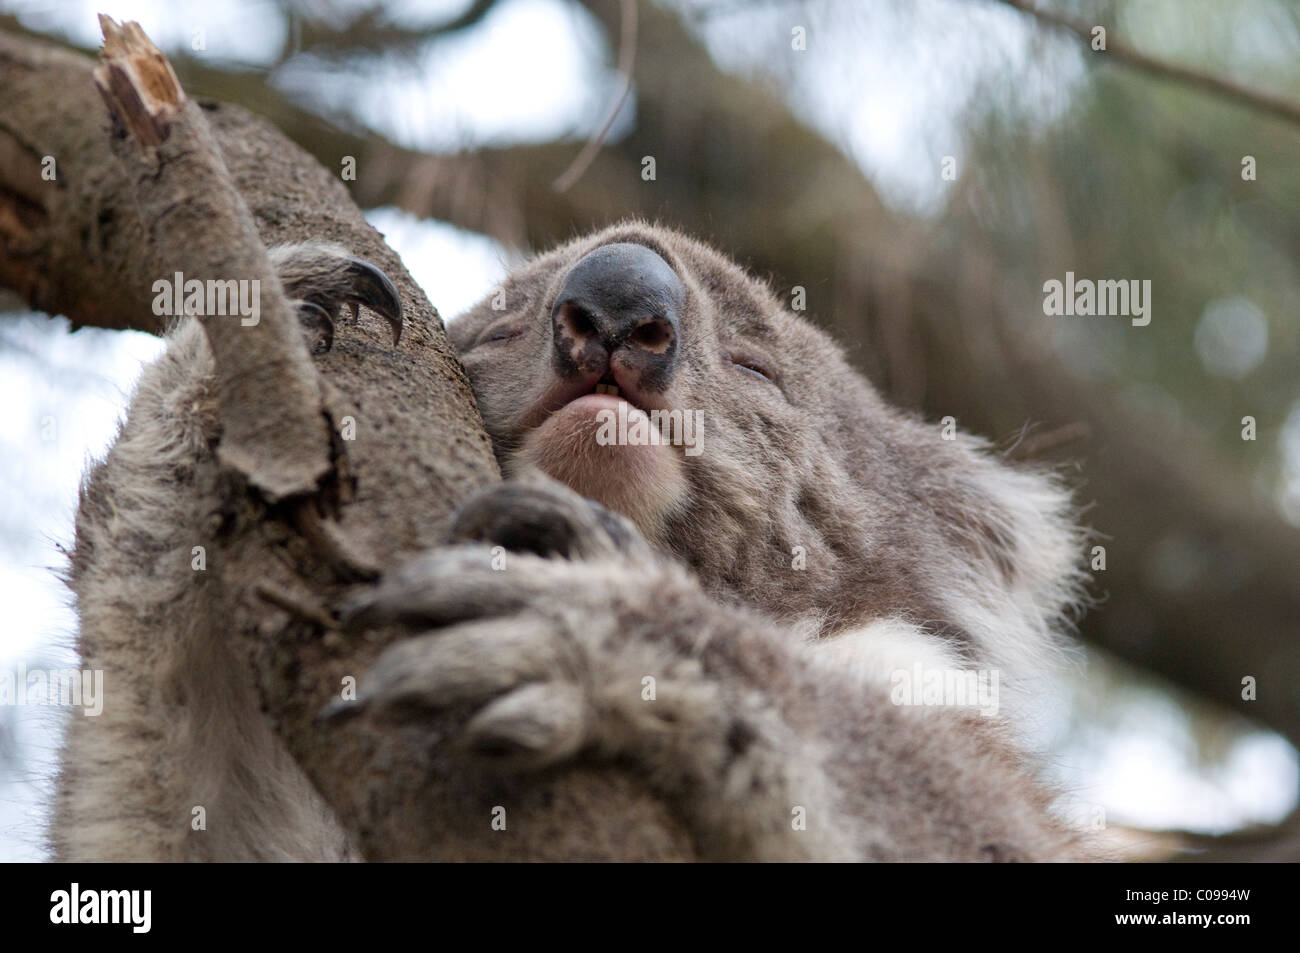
<point x="618" y="309"/>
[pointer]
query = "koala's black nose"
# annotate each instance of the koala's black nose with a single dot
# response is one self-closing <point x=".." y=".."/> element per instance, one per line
<point x="619" y="299"/>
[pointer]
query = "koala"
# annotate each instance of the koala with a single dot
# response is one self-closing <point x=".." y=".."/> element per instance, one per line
<point x="724" y="557"/>
<point x="898" y="527"/>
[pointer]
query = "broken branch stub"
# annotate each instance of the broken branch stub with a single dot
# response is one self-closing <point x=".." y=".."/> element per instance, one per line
<point x="137" y="82"/>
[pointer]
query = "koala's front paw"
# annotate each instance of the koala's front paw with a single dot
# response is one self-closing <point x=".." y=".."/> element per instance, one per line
<point x="506" y="649"/>
<point x="323" y="279"/>
<point x="508" y="619"/>
<point x="542" y="516"/>
<point x="523" y="662"/>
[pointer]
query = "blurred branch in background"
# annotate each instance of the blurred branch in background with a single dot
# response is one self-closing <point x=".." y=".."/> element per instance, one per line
<point x="368" y="31"/>
<point x="626" y="62"/>
<point x="1130" y="56"/>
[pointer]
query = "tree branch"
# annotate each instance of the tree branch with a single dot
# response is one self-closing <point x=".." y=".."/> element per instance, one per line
<point x="1263" y="102"/>
<point x="370" y="29"/>
<point x="626" y="61"/>
<point x="189" y="206"/>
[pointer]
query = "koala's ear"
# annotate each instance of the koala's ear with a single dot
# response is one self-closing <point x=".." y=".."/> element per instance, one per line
<point x="1027" y="528"/>
<point x="1024" y="556"/>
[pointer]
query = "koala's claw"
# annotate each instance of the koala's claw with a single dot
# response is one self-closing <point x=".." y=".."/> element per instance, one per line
<point x="318" y="325"/>
<point x="376" y="291"/>
<point x="324" y="279"/>
<point x="441" y="587"/>
<point x="531" y="726"/>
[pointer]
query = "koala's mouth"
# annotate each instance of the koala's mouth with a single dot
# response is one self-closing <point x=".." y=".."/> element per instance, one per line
<point x="605" y="393"/>
<point x="599" y="439"/>
<point x="589" y="394"/>
<point x="607" y="386"/>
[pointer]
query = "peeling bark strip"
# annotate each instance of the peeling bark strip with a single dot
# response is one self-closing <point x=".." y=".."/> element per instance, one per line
<point x="199" y="226"/>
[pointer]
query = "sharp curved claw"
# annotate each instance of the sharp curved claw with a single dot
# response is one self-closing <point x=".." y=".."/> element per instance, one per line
<point x="316" y="320"/>
<point x="374" y="289"/>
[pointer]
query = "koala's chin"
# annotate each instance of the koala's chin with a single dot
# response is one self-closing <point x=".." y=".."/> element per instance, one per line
<point x="644" y="481"/>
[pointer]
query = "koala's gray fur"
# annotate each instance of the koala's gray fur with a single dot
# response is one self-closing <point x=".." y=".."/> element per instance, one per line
<point x="772" y="682"/>
<point x="895" y="521"/>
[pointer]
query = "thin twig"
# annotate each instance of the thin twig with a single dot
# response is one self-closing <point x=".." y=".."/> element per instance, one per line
<point x="1256" y="99"/>
<point x="1121" y="51"/>
<point x="626" y="60"/>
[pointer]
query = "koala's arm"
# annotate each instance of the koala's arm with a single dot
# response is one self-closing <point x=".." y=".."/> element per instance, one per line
<point x="585" y="647"/>
<point x="181" y="764"/>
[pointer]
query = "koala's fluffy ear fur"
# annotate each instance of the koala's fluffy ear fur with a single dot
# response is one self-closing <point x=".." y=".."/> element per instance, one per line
<point x="1022" y="573"/>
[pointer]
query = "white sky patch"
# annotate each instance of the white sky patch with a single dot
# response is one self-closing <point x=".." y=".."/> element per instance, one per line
<point x="233" y="32"/>
<point x="455" y="268"/>
<point x="890" y="81"/>
<point x="532" y="71"/>
<point x="64" y="394"/>
<point x="1142" y="764"/>
<point x="1146" y="778"/>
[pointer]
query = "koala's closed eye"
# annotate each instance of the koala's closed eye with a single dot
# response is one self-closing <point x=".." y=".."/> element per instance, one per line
<point x="501" y="331"/>
<point x="753" y="364"/>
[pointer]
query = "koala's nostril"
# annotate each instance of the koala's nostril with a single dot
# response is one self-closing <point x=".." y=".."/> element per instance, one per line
<point x="620" y="297"/>
<point x="575" y="320"/>
<point x="653" y="334"/>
